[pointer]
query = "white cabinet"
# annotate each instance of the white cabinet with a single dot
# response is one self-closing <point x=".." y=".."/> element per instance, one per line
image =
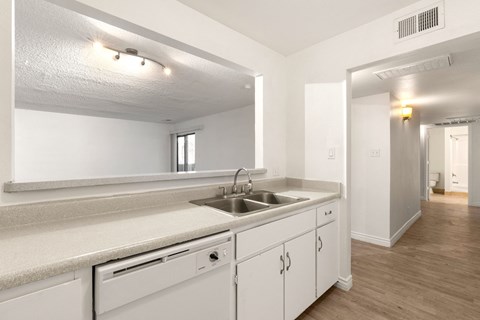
<point x="327" y="213"/>
<point x="260" y="286"/>
<point x="279" y="283"/>
<point x="62" y="297"/>
<point x="299" y="275"/>
<point x="265" y="236"/>
<point x="327" y="257"/>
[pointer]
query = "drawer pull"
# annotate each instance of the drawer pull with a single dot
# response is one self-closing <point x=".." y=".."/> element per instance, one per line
<point x="327" y="213"/>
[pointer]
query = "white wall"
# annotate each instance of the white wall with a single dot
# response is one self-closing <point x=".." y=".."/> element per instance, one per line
<point x="385" y="190"/>
<point x="474" y="167"/>
<point x="322" y="132"/>
<point x="227" y="140"/>
<point x="329" y="61"/>
<point x="7" y="90"/>
<point x="404" y="167"/>
<point x="370" y="201"/>
<point x="436" y="154"/>
<point x="423" y="162"/>
<point x="57" y="146"/>
<point x="183" y="28"/>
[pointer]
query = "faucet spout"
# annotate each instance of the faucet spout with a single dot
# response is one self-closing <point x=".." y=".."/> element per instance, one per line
<point x="234" y="188"/>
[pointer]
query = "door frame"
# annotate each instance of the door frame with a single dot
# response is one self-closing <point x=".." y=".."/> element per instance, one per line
<point x="426" y="177"/>
<point x="427" y="160"/>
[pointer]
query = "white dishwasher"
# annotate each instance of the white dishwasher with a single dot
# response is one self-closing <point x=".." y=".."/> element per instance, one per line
<point x="184" y="282"/>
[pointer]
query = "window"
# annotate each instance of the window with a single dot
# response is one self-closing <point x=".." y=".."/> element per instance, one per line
<point x="186" y="152"/>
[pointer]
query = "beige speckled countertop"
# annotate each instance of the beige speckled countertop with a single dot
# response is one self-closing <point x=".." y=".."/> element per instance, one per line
<point x="35" y="252"/>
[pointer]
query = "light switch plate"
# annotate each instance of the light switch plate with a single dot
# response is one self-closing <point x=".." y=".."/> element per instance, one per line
<point x="331" y="153"/>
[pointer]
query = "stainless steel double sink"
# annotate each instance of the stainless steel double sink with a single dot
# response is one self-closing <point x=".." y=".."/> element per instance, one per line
<point x="245" y="204"/>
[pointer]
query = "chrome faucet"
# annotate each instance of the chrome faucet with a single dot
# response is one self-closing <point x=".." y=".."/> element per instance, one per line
<point x="249" y="185"/>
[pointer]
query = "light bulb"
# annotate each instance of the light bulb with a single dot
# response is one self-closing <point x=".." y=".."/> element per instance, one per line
<point x="167" y="71"/>
<point x="406" y="112"/>
<point x="97" y="45"/>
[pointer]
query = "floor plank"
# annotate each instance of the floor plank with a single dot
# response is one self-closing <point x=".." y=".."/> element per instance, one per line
<point x="433" y="272"/>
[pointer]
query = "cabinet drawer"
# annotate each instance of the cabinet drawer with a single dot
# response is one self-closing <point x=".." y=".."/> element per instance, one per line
<point x="259" y="238"/>
<point x="327" y="213"/>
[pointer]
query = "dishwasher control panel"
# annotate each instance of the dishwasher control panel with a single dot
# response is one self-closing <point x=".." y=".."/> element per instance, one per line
<point x="213" y="257"/>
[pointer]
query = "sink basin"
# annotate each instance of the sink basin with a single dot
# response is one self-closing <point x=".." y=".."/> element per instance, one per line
<point x="272" y="198"/>
<point x="241" y="205"/>
<point x="237" y="206"/>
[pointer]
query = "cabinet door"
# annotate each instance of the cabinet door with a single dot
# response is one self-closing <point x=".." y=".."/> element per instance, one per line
<point x="299" y="275"/>
<point x="327" y="257"/>
<point x="60" y="302"/>
<point x="260" y="286"/>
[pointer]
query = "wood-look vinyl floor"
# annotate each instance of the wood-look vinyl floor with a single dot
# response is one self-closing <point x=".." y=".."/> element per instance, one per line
<point x="451" y="199"/>
<point x="433" y="272"/>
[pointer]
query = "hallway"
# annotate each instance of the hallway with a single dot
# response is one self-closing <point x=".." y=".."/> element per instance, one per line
<point x="432" y="273"/>
<point x="461" y="199"/>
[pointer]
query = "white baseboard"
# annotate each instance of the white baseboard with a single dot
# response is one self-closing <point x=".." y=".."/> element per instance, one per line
<point x="344" y="284"/>
<point x="423" y="198"/>
<point x="474" y="204"/>
<point x="384" y="242"/>
<point x="404" y="228"/>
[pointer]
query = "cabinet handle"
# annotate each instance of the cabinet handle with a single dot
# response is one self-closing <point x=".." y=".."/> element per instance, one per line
<point x="289" y="261"/>
<point x="321" y="243"/>
<point x="328" y="213"/>
<point x="283" y="264"/>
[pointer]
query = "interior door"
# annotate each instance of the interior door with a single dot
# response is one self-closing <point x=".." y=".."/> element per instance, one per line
<point x="327" y="257"/>
<point x="460" y="163"/>
<point x="299" y="275"/>
<point x="260" y="286"/>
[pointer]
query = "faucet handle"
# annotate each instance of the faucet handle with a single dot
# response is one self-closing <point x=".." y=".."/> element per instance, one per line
<point x="224" y="191"/>
<point x="247" y="188"/>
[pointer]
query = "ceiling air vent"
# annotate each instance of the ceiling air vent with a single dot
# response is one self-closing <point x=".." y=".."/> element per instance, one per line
<point x="420" y="22"/>
<point x="459" y="120"/>
<point x="415" y="67"/>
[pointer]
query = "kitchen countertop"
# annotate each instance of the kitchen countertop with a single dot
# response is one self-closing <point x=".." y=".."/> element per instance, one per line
<point x="39" y="251"/>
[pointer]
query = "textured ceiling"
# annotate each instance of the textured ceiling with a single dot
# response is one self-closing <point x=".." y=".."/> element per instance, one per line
<point x="58" y="69"/>
<point x="287" y="26"/>
<point x="437" y="94"/>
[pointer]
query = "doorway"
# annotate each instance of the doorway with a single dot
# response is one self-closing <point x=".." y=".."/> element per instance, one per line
<point x="447" y="163"/>
<point x="459" y="163"/>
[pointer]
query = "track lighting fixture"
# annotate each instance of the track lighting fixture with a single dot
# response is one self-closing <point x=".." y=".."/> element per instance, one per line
<point x="132" y="52"/>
